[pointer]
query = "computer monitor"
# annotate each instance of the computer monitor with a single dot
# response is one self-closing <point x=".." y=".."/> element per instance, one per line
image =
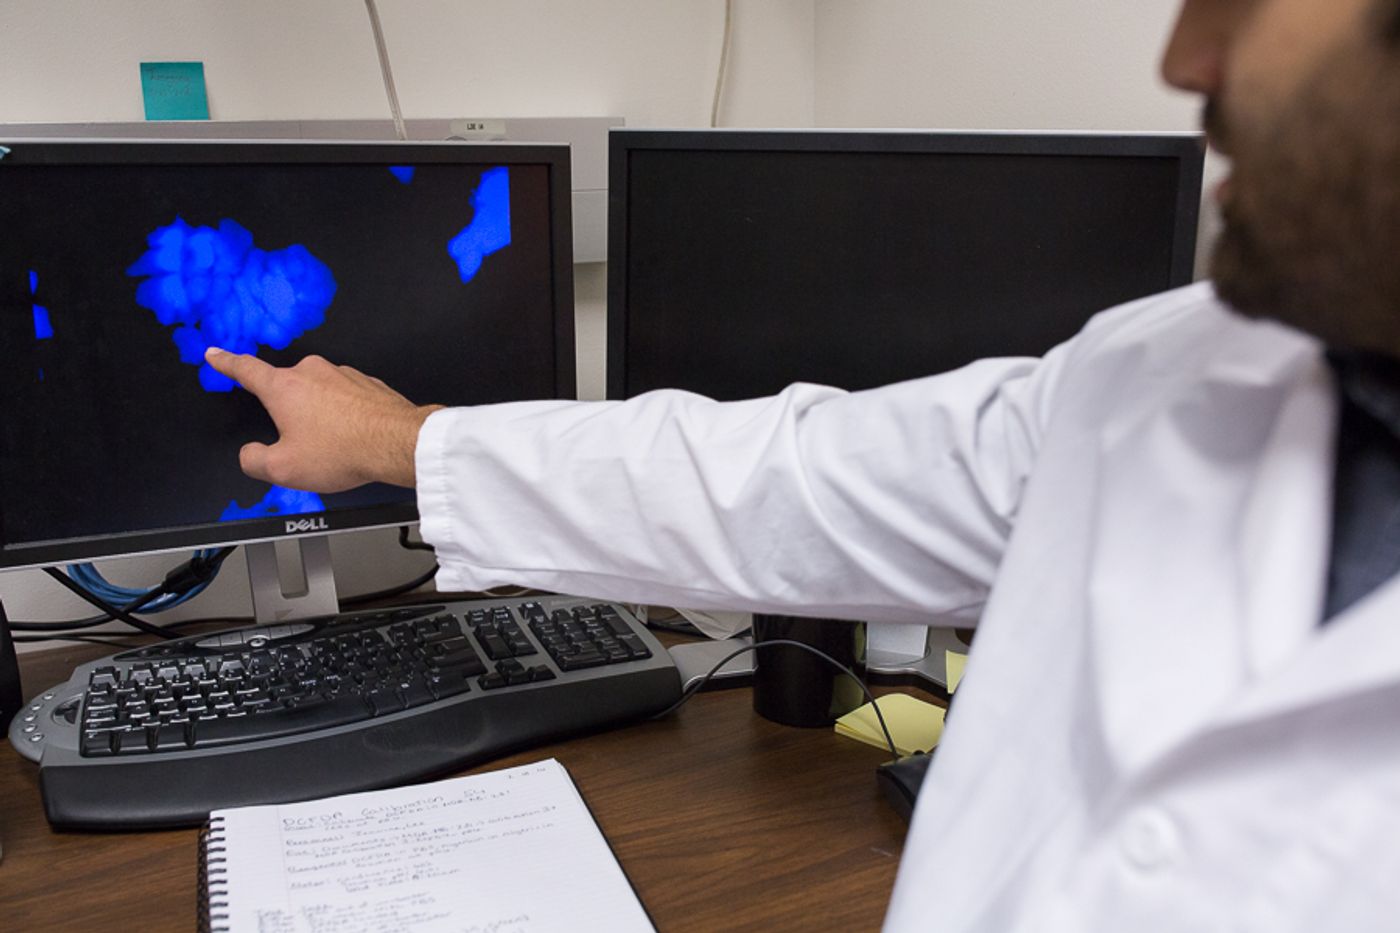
<point x="743" y="261"/>
<point x="443" y="268"/>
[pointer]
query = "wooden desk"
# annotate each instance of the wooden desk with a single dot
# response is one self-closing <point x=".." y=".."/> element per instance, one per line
<point x="722" y="819"/>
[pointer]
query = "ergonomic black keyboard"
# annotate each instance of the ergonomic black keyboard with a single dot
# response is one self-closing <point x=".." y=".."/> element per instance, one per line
<point x="160" y="736"/>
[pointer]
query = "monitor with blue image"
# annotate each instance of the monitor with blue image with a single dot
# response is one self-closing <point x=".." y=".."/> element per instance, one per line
<point x="442" y="268"/>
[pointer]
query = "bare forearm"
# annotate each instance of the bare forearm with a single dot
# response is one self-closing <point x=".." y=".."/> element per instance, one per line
<point x="396" y="441"/>
<point x="337" y="427"/>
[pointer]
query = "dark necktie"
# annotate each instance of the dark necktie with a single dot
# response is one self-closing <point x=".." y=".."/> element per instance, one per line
<point x="1366" y="491"/>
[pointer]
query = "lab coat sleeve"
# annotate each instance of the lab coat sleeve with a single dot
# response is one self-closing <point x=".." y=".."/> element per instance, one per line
<point x="892" y="504"/>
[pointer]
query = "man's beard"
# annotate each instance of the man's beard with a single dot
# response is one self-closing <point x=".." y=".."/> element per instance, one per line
<point x="1312" y="223"/>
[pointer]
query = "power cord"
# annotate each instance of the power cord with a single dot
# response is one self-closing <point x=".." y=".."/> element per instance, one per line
<point x="385" y="70"/>
<point x="78" y="637"/>
<point x="409" y="545"/>
<point x="106" y="638"/>
<point x="119" y="613"/>
<point x="723" y="61"/>
<point x="363" y="598"/>
<point x="695" y="687"/>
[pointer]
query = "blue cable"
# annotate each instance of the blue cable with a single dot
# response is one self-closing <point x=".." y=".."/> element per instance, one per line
<point x="88" y="577"/>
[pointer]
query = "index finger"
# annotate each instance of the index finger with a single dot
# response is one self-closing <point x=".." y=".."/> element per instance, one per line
<point x="248" y="371"/>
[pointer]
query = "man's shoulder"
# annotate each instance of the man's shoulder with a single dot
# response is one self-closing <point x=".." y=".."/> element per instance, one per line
<point x="1185" y="329"/>
<point x="1191" y="309"/>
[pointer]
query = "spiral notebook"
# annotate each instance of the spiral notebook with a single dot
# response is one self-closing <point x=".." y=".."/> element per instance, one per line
<point x="510" y="851"/>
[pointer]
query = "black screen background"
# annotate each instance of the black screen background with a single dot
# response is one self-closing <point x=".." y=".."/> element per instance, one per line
<point x="118" y="436"/>
<point x="747" y="271"/>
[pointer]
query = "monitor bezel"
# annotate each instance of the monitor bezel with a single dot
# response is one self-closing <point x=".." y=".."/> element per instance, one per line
<point x="1187" y="148"/>
<point x="554" y="157"/>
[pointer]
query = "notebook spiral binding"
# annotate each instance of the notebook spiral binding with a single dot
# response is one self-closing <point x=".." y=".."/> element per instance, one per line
<point x="212" y="886"/>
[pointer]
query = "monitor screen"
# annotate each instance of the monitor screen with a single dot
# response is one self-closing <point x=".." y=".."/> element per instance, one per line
<point x="442" y="268"/>
<point x="743" y="261"/>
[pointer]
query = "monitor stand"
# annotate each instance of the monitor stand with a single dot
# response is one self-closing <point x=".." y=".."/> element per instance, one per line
<point x="276" y="598"/>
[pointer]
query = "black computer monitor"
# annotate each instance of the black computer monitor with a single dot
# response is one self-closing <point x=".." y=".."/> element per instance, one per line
<point x="743" y="261"/>
<point x="443" y="268"/>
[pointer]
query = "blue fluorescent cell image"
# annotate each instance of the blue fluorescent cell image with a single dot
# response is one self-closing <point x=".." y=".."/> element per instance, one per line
<point x="278" y="501"/>
<point x="43" y="328"/>
<point x="403" y="173"/>
<point x="490" y="226"/>
<point x="217" y="289"/>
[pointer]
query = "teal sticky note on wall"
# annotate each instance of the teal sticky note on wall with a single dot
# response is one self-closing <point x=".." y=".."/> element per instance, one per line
<point x="174" y="91"/>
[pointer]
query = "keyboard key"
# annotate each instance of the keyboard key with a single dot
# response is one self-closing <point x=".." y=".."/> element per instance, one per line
<point x="494" y="645"/>
<point x="415" y="693"/>
<point x="104" y="677"/>
<point x="129" y="740"/>
<point x="389" y="700"/>
<point x="165" y="736"/>
<point x="450" y="685"/>
<point x="96" y="743"/>
<point x="582" y="659"/>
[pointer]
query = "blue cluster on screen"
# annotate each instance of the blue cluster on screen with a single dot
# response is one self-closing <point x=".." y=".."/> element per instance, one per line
<point x="43" y="327"/>
<point x="489" y="229"/>
<point x="278" y="501"/>
<point x="218" y="289"/>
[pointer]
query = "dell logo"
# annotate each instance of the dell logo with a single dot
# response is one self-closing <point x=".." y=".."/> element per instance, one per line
<point x="307" y="524"/>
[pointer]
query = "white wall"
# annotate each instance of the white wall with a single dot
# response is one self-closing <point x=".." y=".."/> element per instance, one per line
<point x="994" y="64"/>
<point x="652" y="62"/>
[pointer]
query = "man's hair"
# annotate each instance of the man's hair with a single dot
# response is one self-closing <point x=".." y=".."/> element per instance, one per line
<point x="1387" y="13"/>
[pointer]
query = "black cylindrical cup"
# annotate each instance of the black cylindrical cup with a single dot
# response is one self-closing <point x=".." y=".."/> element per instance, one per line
<point x="798" y="688"/>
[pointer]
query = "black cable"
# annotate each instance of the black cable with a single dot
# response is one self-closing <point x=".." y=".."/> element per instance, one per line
<point x="87" y="639"/>
<point x="408" y="545"/>
<point x="122" y="614"/>
<point x="195" y="572"/>
<point x="772" y="642"/>
<point x="185" y="577"/>
<point x="221" y="621"/>
<point x="56" y="628"/>
<point x="351" y="601"/>
<point x="70" y="626"/>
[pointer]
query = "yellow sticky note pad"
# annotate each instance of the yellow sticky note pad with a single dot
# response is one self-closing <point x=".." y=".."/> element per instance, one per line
<point x="916" y="726"/>
<point x="954" y="666"/>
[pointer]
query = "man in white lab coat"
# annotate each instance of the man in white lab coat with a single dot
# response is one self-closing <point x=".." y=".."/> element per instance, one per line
<point x="1192" y="509"/>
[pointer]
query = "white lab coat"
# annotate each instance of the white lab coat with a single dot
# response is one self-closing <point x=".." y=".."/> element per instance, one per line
<point x="1153" y="732"/>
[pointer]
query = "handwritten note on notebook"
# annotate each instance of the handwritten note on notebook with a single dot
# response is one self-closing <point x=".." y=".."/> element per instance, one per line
<point x="511" y="851"/>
